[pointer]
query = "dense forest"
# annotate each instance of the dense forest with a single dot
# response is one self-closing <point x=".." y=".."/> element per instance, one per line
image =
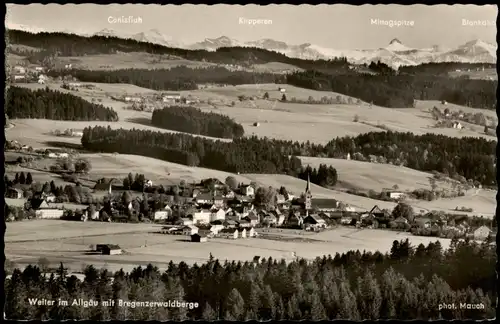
<point x="400" y="91"/>
<point x="443" y="68"/>
<point x="50" y="104"/>
<point x="175" y="79"/>
<point x="194" y="121"/>
<point x="468" y="157"/>
<point x="407" y="283"/>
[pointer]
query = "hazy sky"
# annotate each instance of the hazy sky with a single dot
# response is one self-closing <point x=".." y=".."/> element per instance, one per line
<point x="334" y="26"/>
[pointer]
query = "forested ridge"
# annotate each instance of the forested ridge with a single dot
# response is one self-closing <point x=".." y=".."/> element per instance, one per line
<point x="386" y="90"/>
<point x="177" y="78"/>
<point x="194" y="121"/>
<point x="407" y="283"/>
<point x="400" y="91"/>
<point x="472" y="158"/>
<point x="51" y="104"/>
<point x="62" y="44"/>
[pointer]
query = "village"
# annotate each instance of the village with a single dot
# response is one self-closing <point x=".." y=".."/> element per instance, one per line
<point x="230" y="210"/>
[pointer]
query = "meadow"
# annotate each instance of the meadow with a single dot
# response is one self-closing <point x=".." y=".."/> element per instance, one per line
<point x="68" y="242"/>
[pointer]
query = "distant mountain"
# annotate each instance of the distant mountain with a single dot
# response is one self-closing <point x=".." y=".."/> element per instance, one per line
<point x="395" y="54"/>
<point x="107" y="33"/>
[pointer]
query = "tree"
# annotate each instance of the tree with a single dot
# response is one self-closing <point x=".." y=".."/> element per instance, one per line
<point x="208" y="313"/>
<point x="231" y="182"/>
<point x="265" y="197"/>
<point x="266" y="96"/>
<point x="126" y="198"/>
<point x="403" y="210"/>
<point x="22" y="178"/>
<point x="29" y="179"/>
<point x="235" y="304"/>
<point x="283" y="98"/>
<point x="44" y="264"/>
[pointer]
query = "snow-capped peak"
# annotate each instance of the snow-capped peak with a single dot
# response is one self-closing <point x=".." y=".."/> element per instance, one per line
<point x="396" y="46"/>
<point x="106" y="32"/>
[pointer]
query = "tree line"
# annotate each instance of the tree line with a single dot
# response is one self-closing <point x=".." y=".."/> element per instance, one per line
<point x="50" y="104"/>
<point x="443" y="68"/>
<point x="406" y="283"/>
<point x="174" y="79"/>
<point x="194" y="121"/>
<point x="472" y="158"/>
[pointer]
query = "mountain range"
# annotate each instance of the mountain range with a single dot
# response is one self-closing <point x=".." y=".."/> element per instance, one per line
<point x="395" y="54"/>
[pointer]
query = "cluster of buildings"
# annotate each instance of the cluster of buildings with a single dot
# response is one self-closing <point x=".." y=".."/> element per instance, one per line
<point x="31" y="73"/>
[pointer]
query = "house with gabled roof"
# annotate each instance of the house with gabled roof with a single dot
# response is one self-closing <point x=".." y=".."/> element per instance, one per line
<point x="314" y="220"/>
<point x="230" y="233"/>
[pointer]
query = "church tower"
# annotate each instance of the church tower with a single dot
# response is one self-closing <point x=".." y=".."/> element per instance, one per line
<point x="308" y="197"/>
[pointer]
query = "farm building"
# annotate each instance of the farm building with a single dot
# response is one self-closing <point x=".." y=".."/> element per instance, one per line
<point x="215" y="229"/>
<point x="282" y="90"/>
<point x="314" y="221"/>
<point x="185" y="221"/>
<point x="457" y="125"/>
<point x="217" y="214"/>
<point x="19" y="70"/>
<point x="247" y="190"/>
<point x="171" y="97"/>
<point x="163" y="213"/>
<point x="111" y="249"/>
<point x="14" y="193"/>
<point x="256" y="124"/>
<point x="230" y="223"/>
<point x="190" y="230"/>
<point x="401" y="221"/>
<point x="92" y="214"/>
<point x="242" y="232"/>
<point x="481" y="233"/>
<point x="202" y="237"/>
<point x="251" y="232"/>
<point x="423" y="222"/>
<point x="43" y="210"/>
<point x="39" y="69"/>
<point x="132" y="99"/>
<point x="68" y="66"/>
<point x="253" y="218"/>
<point x="202" y="216"/>
<point x="229" y="233"/>
<point x="396" y="195"/>
<point x="19" y="77"/>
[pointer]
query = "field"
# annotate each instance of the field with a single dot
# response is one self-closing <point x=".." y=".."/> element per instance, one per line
<point x="108" y="62"/>
<point x="487" y="74"/>
<point x="67" y="242"/>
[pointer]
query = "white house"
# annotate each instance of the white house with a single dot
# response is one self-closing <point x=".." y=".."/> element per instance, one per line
<point x="68" y="66"/>
<point x="282" y="90"/>
<point x="229" y="233"/>
<point x="218" y="214"/>
<point x="215" y="229"/>
<point x="19" y="69"/>
<point x="63" y="155"/>
<point x="19" y="77"/>
<point x="171" y="97"/>
<point x="482" y="233"/>
<point x="457" y="125"/>
<point x="133" y="99"/>
<point x="348" y="208"/>
<point x="396" y="195"/>
<point x="242" y="232"/>
<point x="41" y="81"/>
<point x="202" y="216"/>
<point x="39" y="68"/>
<point x="248" y="190"/>
<point x="251" y="232"/>
<point x="190" y="230"/>
<point x="162" y="214"/>
<point x="148" y="183"/>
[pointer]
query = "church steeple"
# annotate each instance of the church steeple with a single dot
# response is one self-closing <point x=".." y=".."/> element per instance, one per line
<point x="308" y="196"/>
<point x="308" y="186"/>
